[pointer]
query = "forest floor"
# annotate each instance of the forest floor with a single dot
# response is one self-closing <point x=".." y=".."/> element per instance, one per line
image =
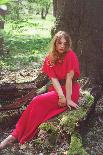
<point x="93" y="138"/>
<point x="92" y="134"/>
<point x="20" y="76"/>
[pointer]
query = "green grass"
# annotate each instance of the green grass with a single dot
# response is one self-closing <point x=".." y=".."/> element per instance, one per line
<point x="27" y="41"/>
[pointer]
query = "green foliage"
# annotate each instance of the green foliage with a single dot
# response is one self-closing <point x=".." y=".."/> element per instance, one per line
<point x="2" y="64"/>
<point x="4" y="1"/>
<point x="49" y="128"/>
<point x="90" y="98"/>
<point x="15" y="10"/>
<point x="26" y="42"/>
<point x="43" y="7"/>
<point x="23" y="52"/>
<point x="76" y="147"/>
<point x="1" y="18"/>
<point x="41" y="2"/>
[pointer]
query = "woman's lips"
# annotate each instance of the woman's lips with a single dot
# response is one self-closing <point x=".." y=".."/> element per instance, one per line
<point x="61" y="49"/>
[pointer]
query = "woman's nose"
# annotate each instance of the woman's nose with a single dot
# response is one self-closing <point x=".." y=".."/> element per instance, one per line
<point x="62" y="45"/>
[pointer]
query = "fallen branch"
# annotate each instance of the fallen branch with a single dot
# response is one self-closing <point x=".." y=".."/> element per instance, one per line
<point x="38" y="83"/>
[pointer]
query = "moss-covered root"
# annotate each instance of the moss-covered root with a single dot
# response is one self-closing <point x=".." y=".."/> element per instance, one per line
<point x="76" y="147"/>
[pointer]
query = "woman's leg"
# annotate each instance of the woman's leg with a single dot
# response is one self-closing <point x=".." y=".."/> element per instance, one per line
<point x="32" y="117"/>
<point x="41" y="108"/>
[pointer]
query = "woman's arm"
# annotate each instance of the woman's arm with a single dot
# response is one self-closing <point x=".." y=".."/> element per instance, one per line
<point x="57" y="86"/>
<point x="69" y="78"/>
<point x="69" y="84"/>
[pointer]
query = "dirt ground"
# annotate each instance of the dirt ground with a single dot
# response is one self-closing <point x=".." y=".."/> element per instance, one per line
<point x="92" y="139"/>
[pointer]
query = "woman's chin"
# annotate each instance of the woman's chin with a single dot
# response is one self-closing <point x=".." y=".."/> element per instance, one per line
<point x="61" y="52"/>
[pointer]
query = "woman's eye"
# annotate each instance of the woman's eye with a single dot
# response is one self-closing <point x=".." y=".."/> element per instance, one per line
<point x="59" y="43"/>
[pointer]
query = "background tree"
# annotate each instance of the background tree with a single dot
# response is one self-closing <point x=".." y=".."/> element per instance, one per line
<point x="83" y="19"/>
<point x="43" y="5"/>
<point x="17" y="9"/>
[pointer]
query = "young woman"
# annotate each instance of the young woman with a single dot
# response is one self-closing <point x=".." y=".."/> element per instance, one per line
<point x="62" y="67"/>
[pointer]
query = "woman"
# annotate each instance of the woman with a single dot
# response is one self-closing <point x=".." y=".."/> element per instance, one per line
<point x="62" y="67"/>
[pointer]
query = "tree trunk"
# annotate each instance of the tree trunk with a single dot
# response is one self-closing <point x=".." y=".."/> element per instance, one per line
<point x="83" y="19"/>
<point x="58" y="6"/>
<point x="1" y="45"/>
<point x="3" y="11"/>
<point x="54" y="7"/>
<point x="44" y="12"/>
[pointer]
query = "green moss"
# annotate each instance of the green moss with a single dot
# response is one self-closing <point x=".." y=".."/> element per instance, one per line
<point x="50" y="128"/>
<point x="76" y="147"/>
<point x="38" y="142"/>
<point x="68" y="122"/>
<point x="71" y="118"/>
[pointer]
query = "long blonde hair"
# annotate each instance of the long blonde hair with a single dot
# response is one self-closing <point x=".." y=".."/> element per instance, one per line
<point x="54" y="55"/>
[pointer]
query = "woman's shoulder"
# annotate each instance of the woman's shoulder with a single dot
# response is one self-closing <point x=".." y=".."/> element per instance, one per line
<point x="48" y="56"/>
<point x="71" y="53"/>
<point x="46" y="59"/>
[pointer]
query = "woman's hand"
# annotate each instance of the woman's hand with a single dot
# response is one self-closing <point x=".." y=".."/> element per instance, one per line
<point x="62" y="101"/>
<point x="70" y="104"/>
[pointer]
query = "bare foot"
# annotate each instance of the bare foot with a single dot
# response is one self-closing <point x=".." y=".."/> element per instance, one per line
<point x="9" y="140"/>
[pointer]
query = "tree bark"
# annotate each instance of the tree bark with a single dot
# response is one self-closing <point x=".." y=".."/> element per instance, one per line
<point x="54" y="7"/>
<point x="83" y="19"/>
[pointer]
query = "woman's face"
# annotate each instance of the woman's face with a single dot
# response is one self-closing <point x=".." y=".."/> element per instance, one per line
<point x="61" y="45"/>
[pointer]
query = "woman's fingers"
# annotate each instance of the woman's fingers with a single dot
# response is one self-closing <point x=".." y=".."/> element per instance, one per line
<point x="69" y="107"/>
<point x="73" y="104"/>
<point x="76" y="106"/>
<point x="62" y="103"/>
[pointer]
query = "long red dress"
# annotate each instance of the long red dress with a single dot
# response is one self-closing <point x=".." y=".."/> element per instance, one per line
<point x="45" y="106"/>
